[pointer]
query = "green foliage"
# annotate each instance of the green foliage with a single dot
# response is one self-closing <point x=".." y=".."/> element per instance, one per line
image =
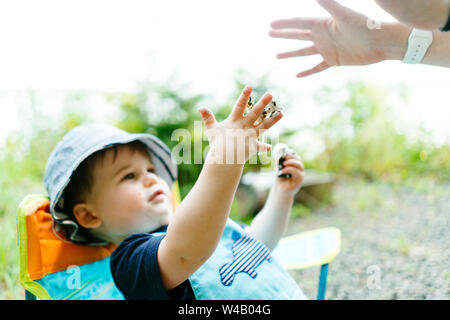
<point x="161" y="111"/>
<point x="9" y="255"/>
<point x="236" y="213"/>
<point x="22" y="165"/>
<point x="360" y="138"/>
<point x="299" y="210"/>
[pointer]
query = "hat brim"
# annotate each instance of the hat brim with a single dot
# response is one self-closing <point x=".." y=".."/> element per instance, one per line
<point x="165" y="167"/>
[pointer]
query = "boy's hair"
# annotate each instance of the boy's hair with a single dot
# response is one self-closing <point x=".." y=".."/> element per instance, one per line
<point x="82" y="180"/>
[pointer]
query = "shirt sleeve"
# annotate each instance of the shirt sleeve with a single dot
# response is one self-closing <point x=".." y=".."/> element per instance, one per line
<point x="135" y="270"/>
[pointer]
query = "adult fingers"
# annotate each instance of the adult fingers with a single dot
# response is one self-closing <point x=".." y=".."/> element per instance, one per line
<point x="319" y="68"/>
<point x="298" y="53"/>
<point x="241" y="104"/>
<point x="207" y="116"/>
<point x="298" y="23"/>
<point x="333" y="7"/>
<point x="291" y="34"/>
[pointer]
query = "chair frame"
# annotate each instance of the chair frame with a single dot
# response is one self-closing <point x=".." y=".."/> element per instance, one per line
<point x="320" y="291"/>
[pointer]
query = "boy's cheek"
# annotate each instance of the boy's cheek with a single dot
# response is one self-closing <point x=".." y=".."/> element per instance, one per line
<point x="125" y="220"/>
<point x="122" y="203"/>
<point x="124" y="210"/>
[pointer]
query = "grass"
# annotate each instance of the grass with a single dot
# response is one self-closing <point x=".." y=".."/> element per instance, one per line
<point x="9" y="257"/>
<point x="10" y="197"/>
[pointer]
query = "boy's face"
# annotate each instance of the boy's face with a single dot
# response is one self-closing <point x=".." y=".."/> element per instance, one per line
<point x="127" y="195"/>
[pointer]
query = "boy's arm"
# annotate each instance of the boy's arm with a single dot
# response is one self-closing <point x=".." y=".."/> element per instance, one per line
<point x="271" y="222"/>
<point x="198" y="223"/>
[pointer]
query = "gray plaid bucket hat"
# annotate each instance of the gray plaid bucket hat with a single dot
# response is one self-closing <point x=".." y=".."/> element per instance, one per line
<point x="77" y="145"/>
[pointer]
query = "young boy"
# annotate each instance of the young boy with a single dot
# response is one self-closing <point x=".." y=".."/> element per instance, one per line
<point x="120" y="192"/>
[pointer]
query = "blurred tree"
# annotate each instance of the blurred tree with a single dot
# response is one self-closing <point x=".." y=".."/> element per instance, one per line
<point x="360" y="137"/>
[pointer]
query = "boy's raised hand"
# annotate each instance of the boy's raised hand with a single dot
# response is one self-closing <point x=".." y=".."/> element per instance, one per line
<point x="235" y="139"/>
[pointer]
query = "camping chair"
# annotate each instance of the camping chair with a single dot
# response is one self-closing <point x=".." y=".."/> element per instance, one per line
<point x="309" y="249"/>
<point x="53" y="269"/>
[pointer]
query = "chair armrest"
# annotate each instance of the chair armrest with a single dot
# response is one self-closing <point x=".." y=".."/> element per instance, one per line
<point x="308" y="249"/>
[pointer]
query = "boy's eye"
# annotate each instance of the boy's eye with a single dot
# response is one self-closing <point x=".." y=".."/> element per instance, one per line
<point x="151" y="170"/>
<point x="129" y="176"/>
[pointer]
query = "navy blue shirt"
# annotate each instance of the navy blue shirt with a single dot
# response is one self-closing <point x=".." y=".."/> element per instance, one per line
<point x="135" y="270"/>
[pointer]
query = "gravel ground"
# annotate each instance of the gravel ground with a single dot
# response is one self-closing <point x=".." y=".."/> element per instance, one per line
<point x="395" y="242"/>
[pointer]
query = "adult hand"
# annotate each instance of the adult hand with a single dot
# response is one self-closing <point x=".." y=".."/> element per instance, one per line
<point x="345" y="38"/>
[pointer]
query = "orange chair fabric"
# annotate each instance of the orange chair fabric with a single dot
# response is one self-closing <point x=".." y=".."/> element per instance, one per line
<point x="47" y="253"/>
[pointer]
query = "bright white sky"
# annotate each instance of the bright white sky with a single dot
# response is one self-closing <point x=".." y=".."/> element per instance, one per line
<point x="52" y="45"/>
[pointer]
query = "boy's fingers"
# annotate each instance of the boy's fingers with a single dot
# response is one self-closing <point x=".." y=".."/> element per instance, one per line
<point x="268" y="123"/>
<point x="263" y="147"/>
<point x="296" y="174"/>
<point x="241" y="105"/>
<point x="294" y="163"/>
<point x="207" y="116"/>
<point x="256" y="111"/>
<point x="293" y="156"/>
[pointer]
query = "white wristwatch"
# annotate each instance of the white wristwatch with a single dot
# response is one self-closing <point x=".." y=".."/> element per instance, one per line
<point x="418" y="43"/>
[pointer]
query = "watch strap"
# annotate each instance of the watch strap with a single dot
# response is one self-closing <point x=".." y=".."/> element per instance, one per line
<point x="418" y="43"/>
<point x="447" y="25"/>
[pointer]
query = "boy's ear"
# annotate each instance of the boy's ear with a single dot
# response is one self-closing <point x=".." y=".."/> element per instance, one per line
<point x="85" y="216"/>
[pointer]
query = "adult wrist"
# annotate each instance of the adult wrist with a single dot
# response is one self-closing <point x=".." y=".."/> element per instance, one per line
<point x="395" y="41"/>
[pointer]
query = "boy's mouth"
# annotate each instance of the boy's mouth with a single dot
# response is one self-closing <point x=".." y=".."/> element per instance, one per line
<point x="156" y="195"/>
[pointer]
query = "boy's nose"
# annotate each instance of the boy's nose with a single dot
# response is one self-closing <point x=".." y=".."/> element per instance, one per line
<point x="150" y="179"/>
